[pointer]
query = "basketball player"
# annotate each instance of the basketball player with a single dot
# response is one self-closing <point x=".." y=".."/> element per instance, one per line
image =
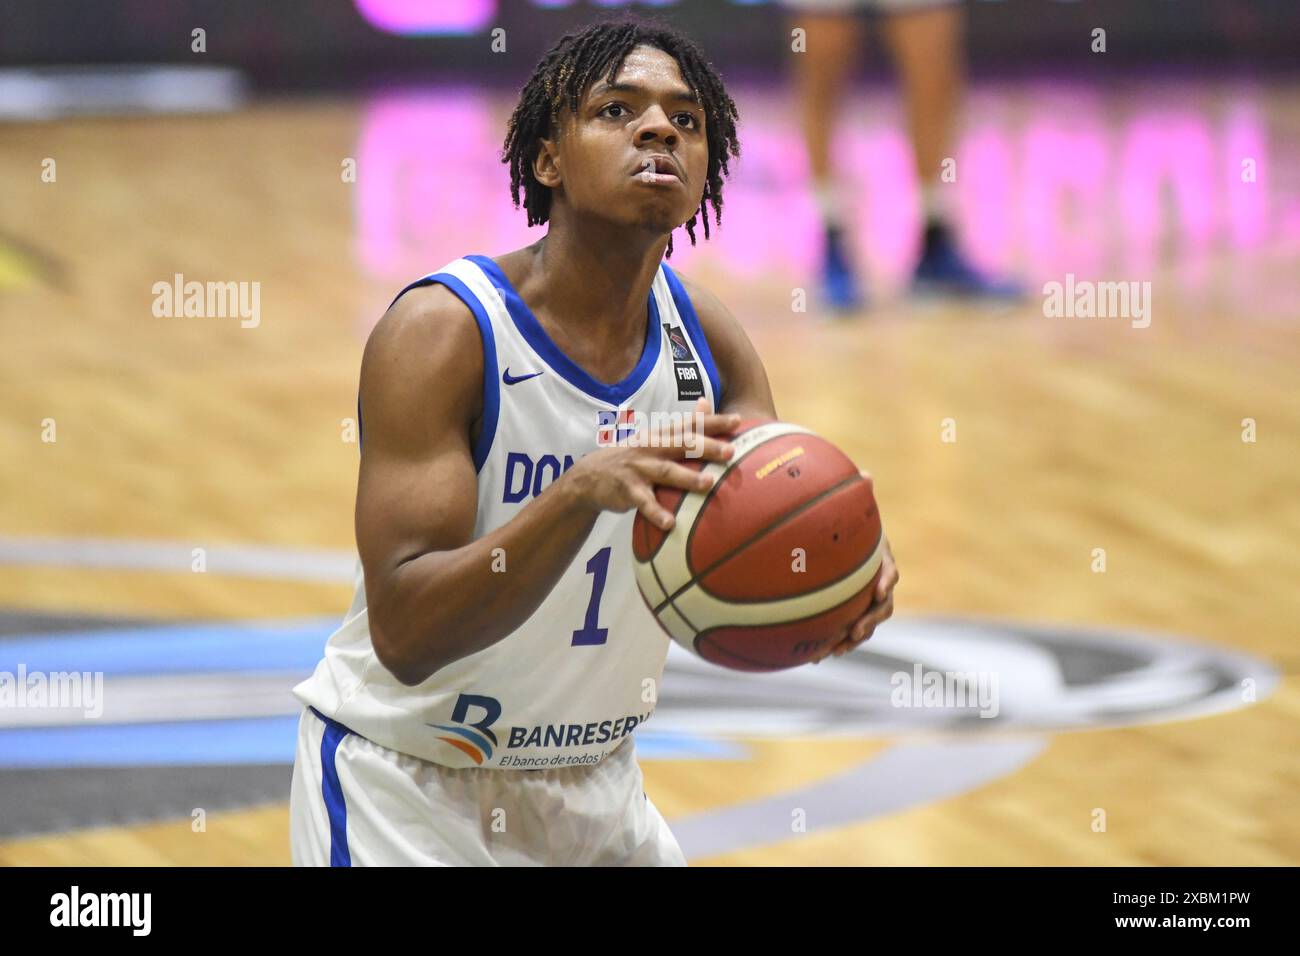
<point x="925" y="40"/>
<point x="477" y="704"/>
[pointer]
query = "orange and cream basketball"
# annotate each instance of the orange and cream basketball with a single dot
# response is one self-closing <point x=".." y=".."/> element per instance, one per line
<point x="768" y="568"/>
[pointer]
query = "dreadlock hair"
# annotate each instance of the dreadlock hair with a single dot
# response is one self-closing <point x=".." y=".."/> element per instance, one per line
<point x="575" y="62"/>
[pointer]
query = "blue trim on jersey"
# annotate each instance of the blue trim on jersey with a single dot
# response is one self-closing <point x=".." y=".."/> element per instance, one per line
<point x="491" y="382"/>
<point x="541" y="343"/>
<point x="332" y="790"/>
<point x="687" y="311"/>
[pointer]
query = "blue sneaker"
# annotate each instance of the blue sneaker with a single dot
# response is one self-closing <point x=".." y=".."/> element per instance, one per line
<point x="942" y="270"/>
<point x="839" y="283"/>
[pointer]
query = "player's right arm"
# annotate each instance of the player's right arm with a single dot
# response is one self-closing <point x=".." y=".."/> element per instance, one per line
<point x="431" y="592"/>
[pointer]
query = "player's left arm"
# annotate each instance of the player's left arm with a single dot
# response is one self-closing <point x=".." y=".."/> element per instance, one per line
<point x="745" y="391"/>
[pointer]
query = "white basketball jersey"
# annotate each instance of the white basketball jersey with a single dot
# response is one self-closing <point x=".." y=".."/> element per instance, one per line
<point x="583" y="671"/>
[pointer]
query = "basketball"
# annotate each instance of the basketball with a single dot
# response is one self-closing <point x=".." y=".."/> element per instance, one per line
<point x="766" y="569"/>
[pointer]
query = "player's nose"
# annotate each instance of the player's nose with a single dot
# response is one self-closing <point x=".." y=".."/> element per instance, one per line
<point x="656" y="125"/>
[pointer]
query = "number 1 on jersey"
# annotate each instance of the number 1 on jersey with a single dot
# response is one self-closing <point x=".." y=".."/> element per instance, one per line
<point x="598" y="567"/>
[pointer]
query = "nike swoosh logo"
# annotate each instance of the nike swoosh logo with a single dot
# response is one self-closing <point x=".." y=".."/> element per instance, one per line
<point x="515" y="379"/>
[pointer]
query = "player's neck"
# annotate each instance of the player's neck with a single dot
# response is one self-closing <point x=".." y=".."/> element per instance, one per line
<point x="595" y="278"/>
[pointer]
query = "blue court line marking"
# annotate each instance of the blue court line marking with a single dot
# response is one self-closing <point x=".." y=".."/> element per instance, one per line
<point x="252" y="740"/>
<point x="680" y="746"/>
<point x="192" y="647"/>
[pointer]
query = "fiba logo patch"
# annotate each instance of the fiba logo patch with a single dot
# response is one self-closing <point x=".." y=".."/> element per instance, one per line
<point x="690" y="383"/>
<point x="475" y="740"/>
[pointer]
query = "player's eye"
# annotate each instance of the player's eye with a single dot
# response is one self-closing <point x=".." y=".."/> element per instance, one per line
<point x="605" y="111"/>
<point x="692" y="121"/>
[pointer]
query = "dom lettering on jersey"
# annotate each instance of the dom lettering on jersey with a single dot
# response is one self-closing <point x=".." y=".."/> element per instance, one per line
<point x="526" y="478"/>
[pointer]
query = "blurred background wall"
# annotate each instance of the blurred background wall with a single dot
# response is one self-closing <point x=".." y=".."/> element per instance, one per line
<point x="332" y="43"/>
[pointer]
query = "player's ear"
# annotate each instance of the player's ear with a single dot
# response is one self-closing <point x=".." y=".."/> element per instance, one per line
<point x="546" y="164"/>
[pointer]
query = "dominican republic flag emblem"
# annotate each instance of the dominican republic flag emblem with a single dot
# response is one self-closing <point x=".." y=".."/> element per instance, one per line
<point x="612" y="428"/>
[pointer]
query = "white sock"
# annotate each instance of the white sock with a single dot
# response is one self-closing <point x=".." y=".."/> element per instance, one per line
<point x="830" y="196"/>
<point x="936" y="202"/>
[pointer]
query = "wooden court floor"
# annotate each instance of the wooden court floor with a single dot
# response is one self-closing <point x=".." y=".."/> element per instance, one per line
<point x="1071" y="435"/>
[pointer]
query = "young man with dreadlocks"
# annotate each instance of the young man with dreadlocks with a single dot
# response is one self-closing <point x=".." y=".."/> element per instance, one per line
<point x="477" y="704"/>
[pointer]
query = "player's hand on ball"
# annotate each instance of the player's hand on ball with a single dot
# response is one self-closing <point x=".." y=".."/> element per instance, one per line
<point x="882" y="606"/>
<point x="624" y="477"/>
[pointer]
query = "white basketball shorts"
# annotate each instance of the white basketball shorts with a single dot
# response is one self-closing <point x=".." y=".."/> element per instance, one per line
<point x="355" y="803"/>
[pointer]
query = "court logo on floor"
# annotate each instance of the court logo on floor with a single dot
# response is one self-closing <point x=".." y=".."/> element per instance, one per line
<point x="1043" y="678"/>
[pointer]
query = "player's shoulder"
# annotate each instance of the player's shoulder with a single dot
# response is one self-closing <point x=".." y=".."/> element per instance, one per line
<point x="742" y="378"/>
<point x="427" y="342"/>
<point x="427" y="325"/>
<point x="428" y="318"/>
<point x="714" y="317"/>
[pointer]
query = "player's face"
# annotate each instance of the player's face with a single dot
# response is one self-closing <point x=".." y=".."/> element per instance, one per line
<point x="636" y="151"/>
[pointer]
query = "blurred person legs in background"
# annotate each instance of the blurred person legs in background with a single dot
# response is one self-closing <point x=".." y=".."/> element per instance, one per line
<point x="925" y="41"/>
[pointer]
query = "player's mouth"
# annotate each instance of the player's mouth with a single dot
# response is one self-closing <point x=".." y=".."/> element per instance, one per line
<point x="658" y="168"/>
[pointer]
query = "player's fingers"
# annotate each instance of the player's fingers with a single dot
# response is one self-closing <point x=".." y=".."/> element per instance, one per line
<point x="661" y="471"/>
<point x="694" y="428"/>
<point x="877" y="614"/>
<point x="696" y="447"/>
<point x="716" y="424"/>
<point x="839" y="640"/>
<point x="703" y="422"/>
<point x="713" y="449"/>
<point x="888" y="580"/>
<point x="862" y="629"/>
<point x="865" y="626"/>
<point x="643" y="497"/>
